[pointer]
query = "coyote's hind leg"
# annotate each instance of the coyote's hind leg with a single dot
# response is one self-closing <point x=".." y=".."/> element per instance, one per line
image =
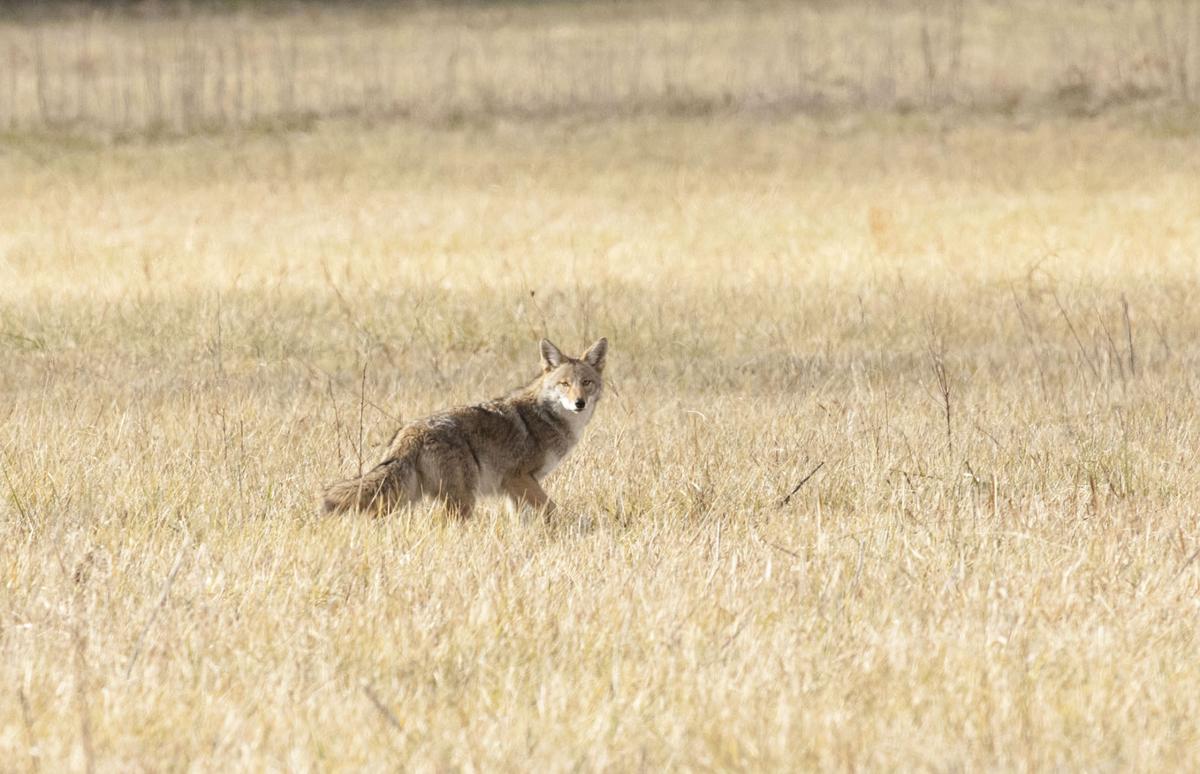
<point x="459" y="504"/>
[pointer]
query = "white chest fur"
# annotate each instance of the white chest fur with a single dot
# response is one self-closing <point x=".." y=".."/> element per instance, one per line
<point x="549" y="464"/>
<point x="576" y="422"/>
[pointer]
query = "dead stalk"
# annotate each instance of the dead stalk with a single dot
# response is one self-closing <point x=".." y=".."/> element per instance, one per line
<point x="937" y="362"/>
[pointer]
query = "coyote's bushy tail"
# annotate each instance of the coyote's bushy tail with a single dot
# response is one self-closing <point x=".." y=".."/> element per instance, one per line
<point x="383" y="487"/>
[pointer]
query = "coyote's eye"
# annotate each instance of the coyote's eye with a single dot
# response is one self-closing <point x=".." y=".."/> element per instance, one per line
<point x="588" y="382"/>
<point x="564" y="383"/>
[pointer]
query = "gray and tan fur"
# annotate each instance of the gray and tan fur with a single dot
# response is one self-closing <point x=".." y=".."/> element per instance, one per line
<point x="503" y="446"/>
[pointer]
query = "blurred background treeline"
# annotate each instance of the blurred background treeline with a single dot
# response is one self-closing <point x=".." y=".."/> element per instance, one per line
<point x="178" y="68"/>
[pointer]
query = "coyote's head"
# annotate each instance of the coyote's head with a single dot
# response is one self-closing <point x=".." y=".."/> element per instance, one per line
<point x="573" y="384"/>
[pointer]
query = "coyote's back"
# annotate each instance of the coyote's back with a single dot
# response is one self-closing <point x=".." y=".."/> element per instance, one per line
<point x="503" y="446"/>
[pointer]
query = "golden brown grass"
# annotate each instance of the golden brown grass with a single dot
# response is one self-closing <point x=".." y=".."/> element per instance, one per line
<point x="174" y="68"/>
<point x="197" y="335"/>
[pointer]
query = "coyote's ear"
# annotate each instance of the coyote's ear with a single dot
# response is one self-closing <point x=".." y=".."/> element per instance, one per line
<point x="551" y="357"/>
<point x="595" y="354"/>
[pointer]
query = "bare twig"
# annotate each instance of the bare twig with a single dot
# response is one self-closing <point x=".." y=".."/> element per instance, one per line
<point x="803" y="481"/>
<point x="162" y="600"/>
<point x="27" y="717"/>
<point x="937" y="360"/>
<point x="12" y="491"/>
<point x="1129" y="335"/>
<point x="1114" y="353"/>
<point x="1187" y="563"/>
<point x="383" y="710"/>
<point x="362" y="403"/>
<point x="1079" y="342"/>
<point x="79" y="640"/>
<point x="321" y="372"/>
<point x="1027" y="325"/>
<point x="927" y="55"/>
<point x="337" y="418"/>
<point x="348" y="311"/>
<point x="81" y="664"/>
<point x="787" y="551"/>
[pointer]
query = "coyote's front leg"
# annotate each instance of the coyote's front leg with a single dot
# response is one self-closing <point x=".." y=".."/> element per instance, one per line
<point x="525" y="490"/>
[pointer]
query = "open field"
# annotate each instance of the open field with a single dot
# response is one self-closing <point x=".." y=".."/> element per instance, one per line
<point x="197" y="335"/>
<point x="172" y="68"/>
<point x="971" y="338"/>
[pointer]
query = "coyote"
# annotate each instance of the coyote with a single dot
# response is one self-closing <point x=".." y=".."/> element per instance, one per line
<point x="504" y="446"/>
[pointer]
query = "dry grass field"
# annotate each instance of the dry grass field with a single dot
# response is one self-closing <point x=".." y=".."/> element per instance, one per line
<point x="168" y="68"/>
<point x="973" y="338"/>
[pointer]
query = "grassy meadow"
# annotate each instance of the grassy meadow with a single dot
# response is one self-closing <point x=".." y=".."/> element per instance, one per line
<point x="896" y="469"/>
